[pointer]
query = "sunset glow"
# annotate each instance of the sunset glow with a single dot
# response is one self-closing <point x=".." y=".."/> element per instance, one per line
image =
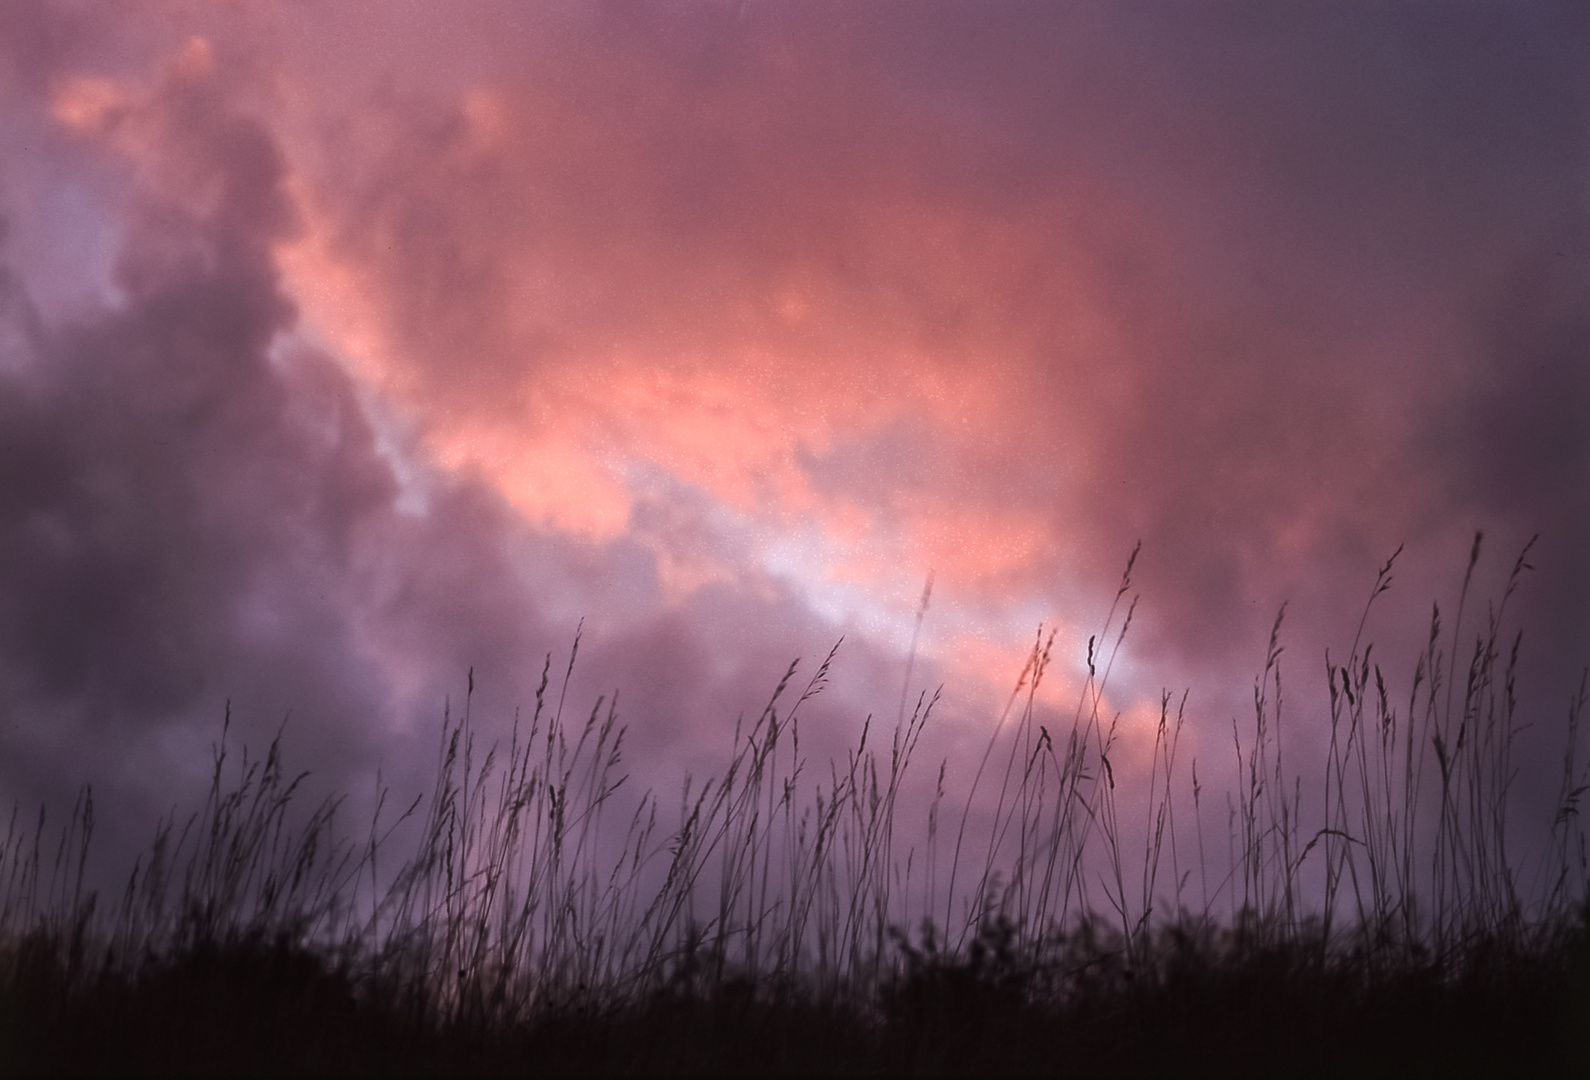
<point x="348" y="348"/>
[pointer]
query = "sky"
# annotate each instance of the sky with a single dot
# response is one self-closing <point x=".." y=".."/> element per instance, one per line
<point x="346" y="348"/>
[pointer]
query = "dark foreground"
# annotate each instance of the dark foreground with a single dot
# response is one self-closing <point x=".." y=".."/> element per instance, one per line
<point x="257" y="1009"/>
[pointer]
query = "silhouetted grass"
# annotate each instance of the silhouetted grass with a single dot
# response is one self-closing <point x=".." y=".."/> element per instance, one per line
<point x="784" y="924"/>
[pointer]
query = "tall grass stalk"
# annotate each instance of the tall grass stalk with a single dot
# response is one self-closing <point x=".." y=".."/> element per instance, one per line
<point x="536" y="885"/>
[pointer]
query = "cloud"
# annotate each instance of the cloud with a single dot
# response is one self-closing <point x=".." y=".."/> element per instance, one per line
<point x="346" y="351"/>
<point x="202" y="506"/>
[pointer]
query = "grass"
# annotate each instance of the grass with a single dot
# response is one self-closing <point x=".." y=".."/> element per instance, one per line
<point x="530" y="913"/>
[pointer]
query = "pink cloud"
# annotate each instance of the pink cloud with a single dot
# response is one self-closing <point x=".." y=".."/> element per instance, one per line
<point x="722" y="332"/>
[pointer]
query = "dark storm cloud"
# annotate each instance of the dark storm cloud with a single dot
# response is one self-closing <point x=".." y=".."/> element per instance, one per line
<point x="1513" y="445"/>
<point x="1377" y="233"/>
<point x="195" y="507"/>
<point x="155" y="476"/>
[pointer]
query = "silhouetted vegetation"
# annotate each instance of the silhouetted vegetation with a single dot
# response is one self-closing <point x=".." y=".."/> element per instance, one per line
<point x="785" y="925"/>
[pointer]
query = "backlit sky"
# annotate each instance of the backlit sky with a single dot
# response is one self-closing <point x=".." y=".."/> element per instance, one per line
<point x="345" y="347"/>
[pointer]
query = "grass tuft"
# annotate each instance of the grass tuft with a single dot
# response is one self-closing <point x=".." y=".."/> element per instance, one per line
<point x="1371" y="917"/>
